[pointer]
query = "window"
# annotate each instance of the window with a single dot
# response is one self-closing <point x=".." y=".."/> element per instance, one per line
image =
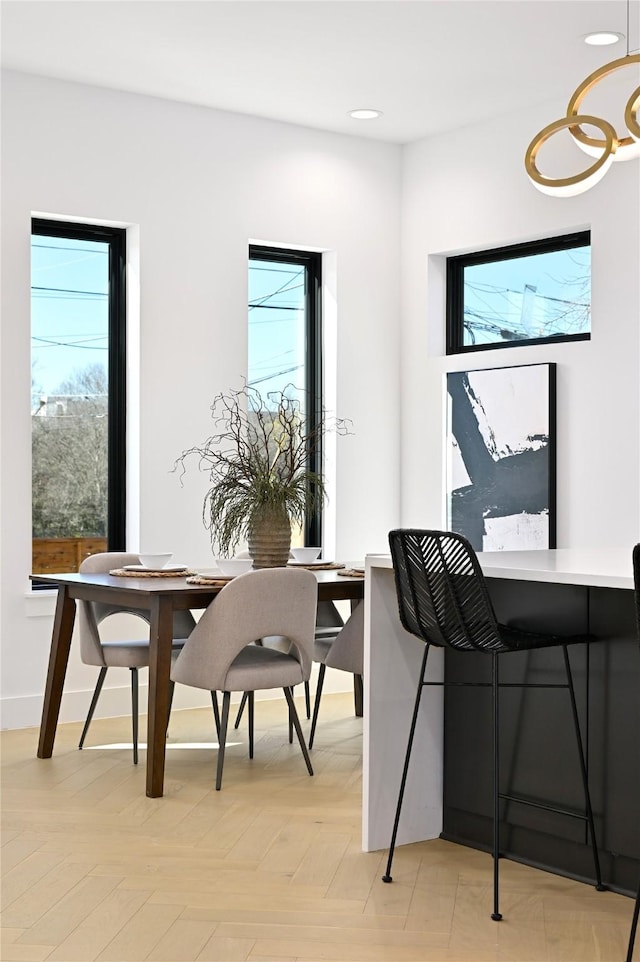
<point x="77" y="392"/>
<point x="285" y="339"/>
<point x="535" y="293"/>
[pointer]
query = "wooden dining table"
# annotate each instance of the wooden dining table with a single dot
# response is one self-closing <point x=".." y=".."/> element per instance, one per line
<point x="160" y="597"/>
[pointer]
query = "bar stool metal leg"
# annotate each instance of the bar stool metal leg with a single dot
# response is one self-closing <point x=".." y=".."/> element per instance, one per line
<point x="634" y="927"/>
<point x="387" y="877"/>
<point x="495" y="692"/>
<point x="583" y="771"/>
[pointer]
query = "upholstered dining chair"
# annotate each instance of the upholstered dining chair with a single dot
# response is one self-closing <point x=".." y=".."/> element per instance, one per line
<point x="443" y="600"/>
<point x="220" y="654"/>
<point x="125" y="653"/>
<point x="344" y="651"/>
<point x="328" y="624"/>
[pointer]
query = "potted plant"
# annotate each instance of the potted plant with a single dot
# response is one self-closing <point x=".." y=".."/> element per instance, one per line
<point x="259" y="463"/>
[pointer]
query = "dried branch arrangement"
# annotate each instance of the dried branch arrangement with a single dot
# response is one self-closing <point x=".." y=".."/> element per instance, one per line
<point x="258" y="461"/>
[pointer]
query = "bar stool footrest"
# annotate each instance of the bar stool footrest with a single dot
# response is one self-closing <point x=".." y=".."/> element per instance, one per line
<point x="544" y="806"/>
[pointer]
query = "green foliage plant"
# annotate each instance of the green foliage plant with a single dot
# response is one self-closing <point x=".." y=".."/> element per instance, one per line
<point x="258" y="460"/>
<point x="69" y="458"/>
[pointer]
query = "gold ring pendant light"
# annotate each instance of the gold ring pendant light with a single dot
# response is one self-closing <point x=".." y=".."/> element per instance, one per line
<point x="631" y="114"/>
<point x="628" y="147"/>
<point x="577" y="183"/>
<point x="605" y="149"/>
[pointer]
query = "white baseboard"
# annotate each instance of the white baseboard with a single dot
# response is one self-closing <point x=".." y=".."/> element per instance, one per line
<point x="26" y="711"/>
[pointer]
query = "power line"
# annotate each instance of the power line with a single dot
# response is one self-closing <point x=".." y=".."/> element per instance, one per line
<point x="69" y="290"/>
<point x="83" y="337"/>
<point x="269" y="377"/>
<point x="76" y="250"/>
<point x="274" y="307"/>
<point x="85" y="347"/>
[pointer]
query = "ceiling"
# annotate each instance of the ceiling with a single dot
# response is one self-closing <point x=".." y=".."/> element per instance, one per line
<point x="429" y="65"/>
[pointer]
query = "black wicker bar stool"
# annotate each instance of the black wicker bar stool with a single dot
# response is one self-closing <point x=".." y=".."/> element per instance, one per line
<point x="444" y="601"/>
<point x="636" y="582"/>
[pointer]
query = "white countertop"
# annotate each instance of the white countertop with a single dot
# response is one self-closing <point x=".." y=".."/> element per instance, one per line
<point x="597" y="567"/>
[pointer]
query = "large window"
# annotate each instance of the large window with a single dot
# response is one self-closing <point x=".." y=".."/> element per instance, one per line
<point x="532" y="293"/>
<point x="77" y="392"/>
<point x="285" y="339"/>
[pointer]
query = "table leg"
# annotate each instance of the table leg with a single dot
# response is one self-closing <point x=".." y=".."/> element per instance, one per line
<point x="160" y="638"/>
<point x="358" y="698"/>
<point x="58" y="659"/>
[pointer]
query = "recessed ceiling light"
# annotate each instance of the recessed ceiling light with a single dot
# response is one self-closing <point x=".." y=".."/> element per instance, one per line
<point x="603" y="38"/>
<point x="365" y="113"/>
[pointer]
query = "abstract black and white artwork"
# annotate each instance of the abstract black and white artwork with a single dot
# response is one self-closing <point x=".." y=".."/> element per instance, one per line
<point x="500" y="452"/>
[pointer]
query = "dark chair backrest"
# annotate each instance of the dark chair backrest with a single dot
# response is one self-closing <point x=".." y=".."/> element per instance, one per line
<point x="442" y="595"/>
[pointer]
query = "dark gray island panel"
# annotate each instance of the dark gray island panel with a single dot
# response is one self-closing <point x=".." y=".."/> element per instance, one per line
<point x="538" y="752"/>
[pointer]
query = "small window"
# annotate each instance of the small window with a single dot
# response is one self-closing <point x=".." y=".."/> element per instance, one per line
<point x="535" y="293"/>
<point x="285" y="341"/>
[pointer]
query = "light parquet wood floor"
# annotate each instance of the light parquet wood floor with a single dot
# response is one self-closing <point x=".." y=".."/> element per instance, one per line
<point x="270" y="869"/>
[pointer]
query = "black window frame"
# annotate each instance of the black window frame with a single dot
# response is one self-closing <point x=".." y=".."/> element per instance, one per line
<point x="116" y="238"/>
<point x="312" y="262"/>
<point x="455" y="290"/>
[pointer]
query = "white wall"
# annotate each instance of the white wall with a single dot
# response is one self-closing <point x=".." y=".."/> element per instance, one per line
<point x="195" y="185"/>
<point x="198" y="184"/>
<point x="468" y="191"/>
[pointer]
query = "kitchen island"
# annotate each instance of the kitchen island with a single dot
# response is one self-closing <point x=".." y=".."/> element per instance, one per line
<point x="449" y="785"/>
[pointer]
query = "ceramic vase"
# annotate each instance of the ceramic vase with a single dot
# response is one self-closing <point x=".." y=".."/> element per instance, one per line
<point x="270" y="539"/>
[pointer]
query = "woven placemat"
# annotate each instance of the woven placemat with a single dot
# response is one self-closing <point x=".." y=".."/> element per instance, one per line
<point x="123" y="573"/>
<point x="194" y="579"/>
<point x="352" y="573"/>
<point x="329" y="566"/>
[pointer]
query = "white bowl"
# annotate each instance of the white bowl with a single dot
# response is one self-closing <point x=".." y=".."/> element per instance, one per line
<point x="158" y="560"/>
<point x="234" y="566"/>
<point x="305" y="555"/>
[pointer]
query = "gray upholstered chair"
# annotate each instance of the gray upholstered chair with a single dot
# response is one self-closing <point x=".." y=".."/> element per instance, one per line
<point x="328" y="624"/>
<point x="125" y="653"/>
<point x="345" y="651"/>
<point x="329" y="621"/>
<point x="220" y="654"/>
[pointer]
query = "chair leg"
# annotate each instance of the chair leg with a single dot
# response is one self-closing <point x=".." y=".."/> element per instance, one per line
<point x="216" y="712"/>
<point x="495" y="693"/>
<point x="172" y="688"/>
<point x="316" y="704"/>
<point x="134" y="712"/>
<point x="92" y="706"/>
<point x="583" y="771"/>
<point x="634" y="927"/>
<point x="291" y="720"/>
<point x="293" y="717"/>
<point x="250" y="700"/>
<point x="307" y="699"/>
<point x="387" y="877"/>
<point x="358" y="696"/>
<point x="222" y="737"/>
<point x="243" y="702"/>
